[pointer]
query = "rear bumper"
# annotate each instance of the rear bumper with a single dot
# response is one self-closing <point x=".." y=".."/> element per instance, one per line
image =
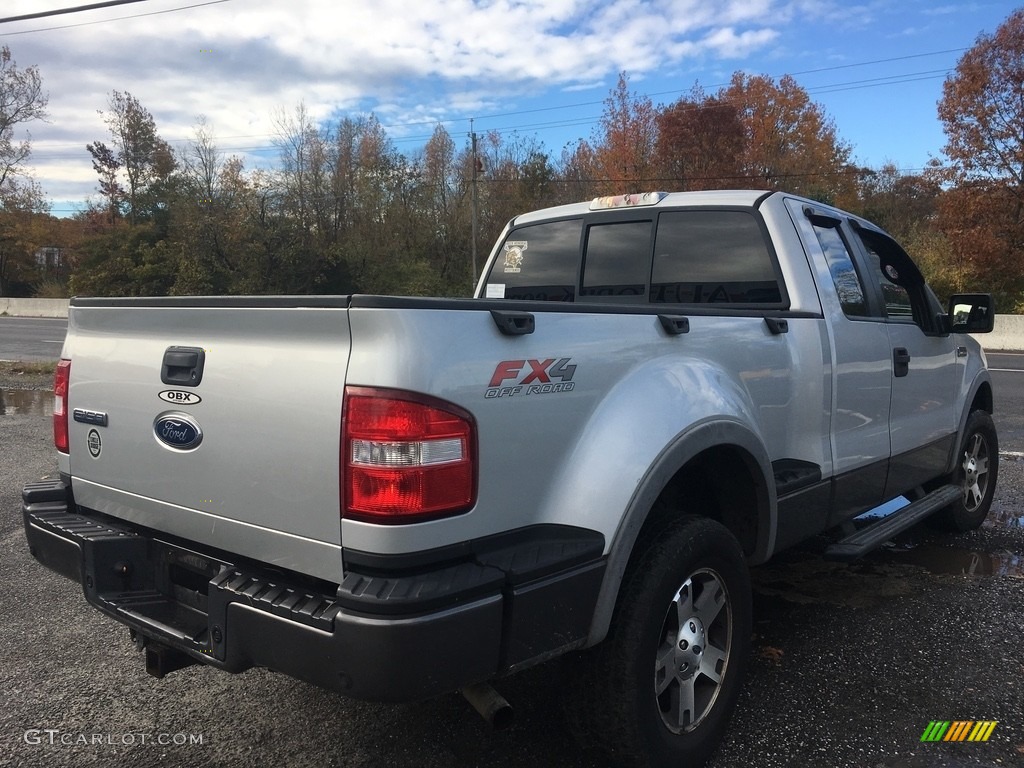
<point x="400" y="636"/>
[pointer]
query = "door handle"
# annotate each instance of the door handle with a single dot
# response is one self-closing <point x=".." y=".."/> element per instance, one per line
<point x="900" y="361"/>
<point x="183" y="366"/>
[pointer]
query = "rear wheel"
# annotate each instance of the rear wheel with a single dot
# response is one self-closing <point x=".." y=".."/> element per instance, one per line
<point x="977" y="467"/>
<point x="659" y="690"/>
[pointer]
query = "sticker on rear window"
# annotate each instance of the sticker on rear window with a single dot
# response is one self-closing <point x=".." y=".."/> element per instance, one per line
<point x="495" y="291"/>
<point x="514" y="255"/>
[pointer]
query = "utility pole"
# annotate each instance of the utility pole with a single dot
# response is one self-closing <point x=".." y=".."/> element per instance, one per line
<point x="474" y="199"/>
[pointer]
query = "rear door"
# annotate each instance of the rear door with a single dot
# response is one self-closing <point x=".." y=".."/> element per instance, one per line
<point x="861" y="363"/>
<point x="922" y="418"/>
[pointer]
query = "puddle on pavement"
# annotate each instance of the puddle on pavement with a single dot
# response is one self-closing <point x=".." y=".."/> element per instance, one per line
<point x="937" y="558"/>
<point x="25" y="401"/>
<point x="917" y="547"/>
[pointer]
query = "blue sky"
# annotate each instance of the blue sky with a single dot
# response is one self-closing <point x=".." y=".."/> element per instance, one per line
<point x="539" y="68"/>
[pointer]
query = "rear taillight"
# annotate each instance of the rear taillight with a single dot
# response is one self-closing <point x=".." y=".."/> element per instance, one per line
<point x="405" y="457"/>
<point x="60" y="405"/>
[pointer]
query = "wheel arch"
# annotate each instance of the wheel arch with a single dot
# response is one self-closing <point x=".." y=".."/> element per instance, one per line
<point x="980" y="398"/>
<point x="738" y="469"/>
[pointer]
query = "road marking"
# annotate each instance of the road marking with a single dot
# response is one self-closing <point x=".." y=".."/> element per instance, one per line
<point x="52" y="341"/>
<point x="1008" y="370"/>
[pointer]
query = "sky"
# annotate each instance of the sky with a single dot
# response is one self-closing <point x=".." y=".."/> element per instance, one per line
<point x="538" y="69"/>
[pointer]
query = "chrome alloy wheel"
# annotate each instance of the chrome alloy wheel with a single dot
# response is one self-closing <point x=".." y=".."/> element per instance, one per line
<point x="976" y="475"/>
<point x="694" y="652"/>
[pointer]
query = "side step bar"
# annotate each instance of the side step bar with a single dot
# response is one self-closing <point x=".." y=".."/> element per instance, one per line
<point x="871" y="537"/>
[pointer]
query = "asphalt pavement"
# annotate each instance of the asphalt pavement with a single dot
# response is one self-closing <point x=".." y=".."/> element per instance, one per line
<point x="31" y="338"/>
<point x="850" y="665"/>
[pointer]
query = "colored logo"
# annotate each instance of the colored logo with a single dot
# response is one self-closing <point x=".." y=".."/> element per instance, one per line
<point x="538" y="381"/>
<point x="514" y="255"/>
<point x="177" y="430"/>
<point x="959" y="730"/>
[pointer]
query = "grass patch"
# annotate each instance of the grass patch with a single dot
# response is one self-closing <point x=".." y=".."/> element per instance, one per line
<point x="19" y="368"/>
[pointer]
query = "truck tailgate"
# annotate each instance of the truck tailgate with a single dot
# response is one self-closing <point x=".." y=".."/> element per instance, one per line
<point x="245" y="461"/>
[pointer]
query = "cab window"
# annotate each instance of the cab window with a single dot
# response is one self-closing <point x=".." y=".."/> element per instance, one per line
<point x="712" y="257"/>
<point x="539" y="262"/>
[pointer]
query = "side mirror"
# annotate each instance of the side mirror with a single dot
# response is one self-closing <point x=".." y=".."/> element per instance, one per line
<point x="971" y="313"/>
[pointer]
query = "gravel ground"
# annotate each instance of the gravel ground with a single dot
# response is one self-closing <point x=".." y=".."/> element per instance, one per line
<point x="850" y="665"/>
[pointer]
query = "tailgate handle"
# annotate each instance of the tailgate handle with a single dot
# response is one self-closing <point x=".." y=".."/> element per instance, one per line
<point x="674" y="325"/>
<point x="183" y="366"/>
<point x="513" y="323"/>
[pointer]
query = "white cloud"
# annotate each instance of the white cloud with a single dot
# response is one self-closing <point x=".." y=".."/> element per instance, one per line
<point x="237" y="62"/>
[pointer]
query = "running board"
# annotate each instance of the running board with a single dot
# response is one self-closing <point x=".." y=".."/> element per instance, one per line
<point x="874" y="535"/>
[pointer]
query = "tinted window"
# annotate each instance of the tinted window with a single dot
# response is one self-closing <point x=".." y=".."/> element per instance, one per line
<point x="538" y="263"/>
<point x="712" y="257"/>
<point x="844" y="274"/>
<point x="617" y="260"/>
<point x="903" y="288"/>
<point x="890" y="277"/>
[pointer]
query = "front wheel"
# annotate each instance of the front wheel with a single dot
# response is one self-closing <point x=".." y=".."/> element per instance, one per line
<point x="977" y="467"/>
<point x="659" y="690"/>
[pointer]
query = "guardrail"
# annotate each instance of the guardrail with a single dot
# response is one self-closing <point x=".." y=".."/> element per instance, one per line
<point x="1008" y="333"/>
<point x="34" y="307"/>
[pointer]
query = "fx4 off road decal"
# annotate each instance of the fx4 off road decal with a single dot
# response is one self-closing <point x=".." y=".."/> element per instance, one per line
<point x="531" y="377"/>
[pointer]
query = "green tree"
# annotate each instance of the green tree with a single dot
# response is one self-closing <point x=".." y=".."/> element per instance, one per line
<point x="139" y="155"/>
<point x="22" y="101"/>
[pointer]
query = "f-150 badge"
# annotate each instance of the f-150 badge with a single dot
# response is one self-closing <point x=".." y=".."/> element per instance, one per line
<point x="531" y="377"/>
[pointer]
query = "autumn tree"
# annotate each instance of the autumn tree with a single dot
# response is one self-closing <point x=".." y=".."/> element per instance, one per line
<point x="700" y="143"/>
<point x="790" y="142"/>
<point x="519" y="176"/>
<point x="624" y="144"/>
<point x="982" y="113"/>
<point x="22" y="101"/>
<point x="139" y="156"/>
<point x="577" y="169"/>
<point x="900" y="203"/>
<point x="21" y="216"/>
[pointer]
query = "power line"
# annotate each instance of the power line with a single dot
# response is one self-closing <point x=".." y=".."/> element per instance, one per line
<point x="62" y="11"/>
<point x="116" y="18"/>
<point x="909" y="77"/>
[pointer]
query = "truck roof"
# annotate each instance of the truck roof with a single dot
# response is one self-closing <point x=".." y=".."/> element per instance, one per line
<point x="714" y="197"/>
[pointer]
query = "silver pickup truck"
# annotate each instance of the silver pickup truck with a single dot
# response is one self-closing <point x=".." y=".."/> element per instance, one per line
<point x="401" y="497"/>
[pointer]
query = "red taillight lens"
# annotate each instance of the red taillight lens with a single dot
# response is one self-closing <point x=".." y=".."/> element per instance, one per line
<point x="60" y="405"/>
<point x="405" y="457"/>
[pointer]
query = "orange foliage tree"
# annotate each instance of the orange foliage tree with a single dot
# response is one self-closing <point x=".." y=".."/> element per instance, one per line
<point x="982" y="112"/>
<point x="790" y="142"/>
<point x="700" y="143"/>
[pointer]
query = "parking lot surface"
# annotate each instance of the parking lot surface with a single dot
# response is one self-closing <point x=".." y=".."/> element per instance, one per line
<point x="850" y="665"/>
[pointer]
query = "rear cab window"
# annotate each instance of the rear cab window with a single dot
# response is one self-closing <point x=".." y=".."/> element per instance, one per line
<point x="690" y="256"/>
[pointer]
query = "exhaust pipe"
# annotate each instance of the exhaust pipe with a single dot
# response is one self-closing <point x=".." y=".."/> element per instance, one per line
<point x="490" y="704"/>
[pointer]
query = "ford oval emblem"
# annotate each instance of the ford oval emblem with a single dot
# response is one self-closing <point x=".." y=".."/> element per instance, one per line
<point x="178" y="430"/>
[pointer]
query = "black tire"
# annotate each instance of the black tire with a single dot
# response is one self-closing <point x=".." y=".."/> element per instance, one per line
<point x="977" y="467"/>
<point x="683" y="619"/>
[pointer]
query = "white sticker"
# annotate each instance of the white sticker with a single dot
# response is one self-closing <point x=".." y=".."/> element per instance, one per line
<point x="495" y="291"/>
<point x="514" y="250"/>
